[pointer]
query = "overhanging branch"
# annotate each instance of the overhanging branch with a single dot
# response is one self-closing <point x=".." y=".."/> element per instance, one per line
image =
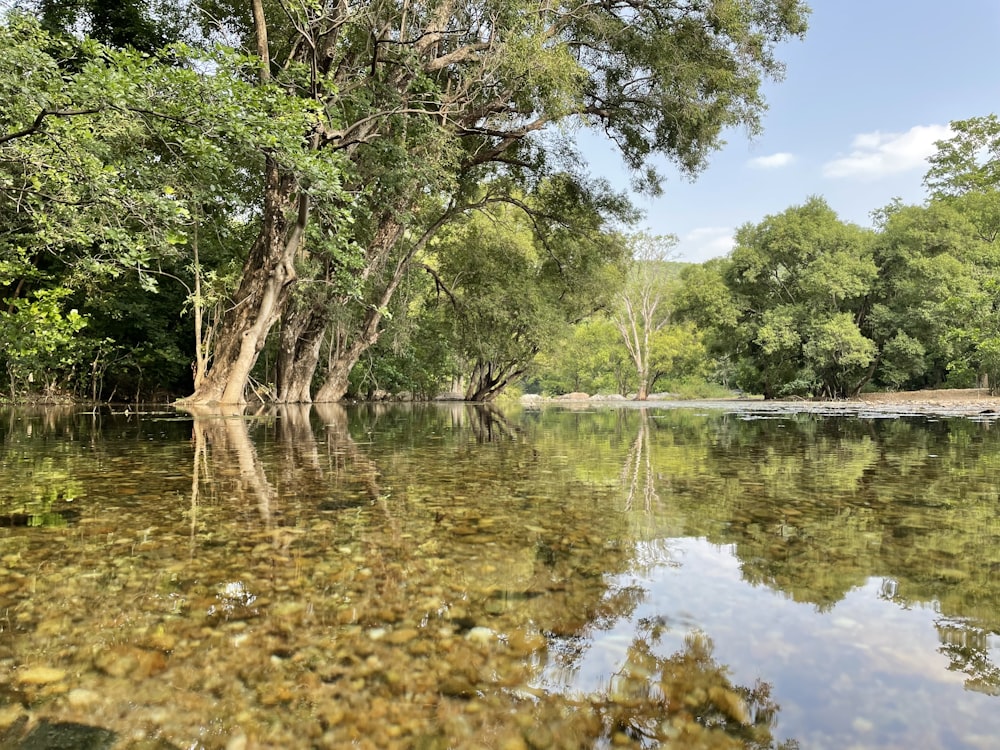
<point x="39" y="122"/>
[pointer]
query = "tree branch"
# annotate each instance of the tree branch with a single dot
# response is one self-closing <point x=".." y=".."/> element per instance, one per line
<point x="439" y="284"/>
<point x="39" y="122"/>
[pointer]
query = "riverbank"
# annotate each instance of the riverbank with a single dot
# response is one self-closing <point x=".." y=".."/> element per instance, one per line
<point x="966" y="402"/>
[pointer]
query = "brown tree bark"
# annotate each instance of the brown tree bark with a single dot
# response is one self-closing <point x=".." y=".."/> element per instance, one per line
<point x="335" y="386"/>
<point x="268" y="271"/>
<point x="643" y="393"/>
<point x="299" y="346"/>
<point x="336" y="383"/>
<point x="488" y="379"/>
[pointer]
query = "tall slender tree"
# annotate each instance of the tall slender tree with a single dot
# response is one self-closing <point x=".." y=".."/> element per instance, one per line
<point x="642" y="309"/>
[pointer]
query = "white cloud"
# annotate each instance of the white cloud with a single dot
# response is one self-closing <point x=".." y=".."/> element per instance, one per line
<point x="773" y="161"/>
<point x="876" y="155"/>
<point x="704" y="243"/>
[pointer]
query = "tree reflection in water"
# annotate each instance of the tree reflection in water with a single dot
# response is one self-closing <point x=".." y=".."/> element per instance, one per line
<point x="968" y="649"/>
<point x="489" y="424"/>
<point x="686" y="698"/>
<point x="638" y="474"/>
<point x="226" y="458"/>
<point x="456" y="571"/>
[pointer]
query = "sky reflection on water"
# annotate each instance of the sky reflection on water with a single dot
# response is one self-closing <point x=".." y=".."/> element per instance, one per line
<point x="865" y="673"/>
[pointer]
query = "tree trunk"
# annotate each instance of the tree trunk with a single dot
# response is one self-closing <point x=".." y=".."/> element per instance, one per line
<point x="488" y="380"/>
<point x="643" y="392"/>
<point x="367" y="333"/>
<point x="202" y="344"/>
<point x="267" y="273"/>
<point x="299" y="348"/>
<point x="335" y="386"/>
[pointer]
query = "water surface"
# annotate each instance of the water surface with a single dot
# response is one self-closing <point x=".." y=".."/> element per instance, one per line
<point x="449" y="576"/>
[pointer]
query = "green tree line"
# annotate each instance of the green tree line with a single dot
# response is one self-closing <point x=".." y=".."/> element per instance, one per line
<point x="295" y="202"/>
<point x="809" y="305"/>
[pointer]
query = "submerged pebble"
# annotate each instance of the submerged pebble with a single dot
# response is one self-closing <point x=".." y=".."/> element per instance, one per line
<point x="39" y="675"/>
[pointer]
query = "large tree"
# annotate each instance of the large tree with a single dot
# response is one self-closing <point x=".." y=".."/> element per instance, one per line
<point x="427" y="100"/>
<point x="118" y="166"/>
<point x="522" y="275"/>
<point x="964" y="180"/>
<point x="927" y="303"/>
<point x="355" y="132"/>
<point x="800" y="282"/>
<point x="966" y="168"/>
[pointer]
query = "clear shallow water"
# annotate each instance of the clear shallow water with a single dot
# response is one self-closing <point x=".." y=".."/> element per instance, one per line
<point x="444" y="576"/>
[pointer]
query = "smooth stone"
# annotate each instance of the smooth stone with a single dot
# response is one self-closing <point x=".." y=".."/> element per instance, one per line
<point x="82" y="698"/>
<point x="456" y="686"/>
<point x="522" y="642"/>
<point x="539" y="736"/>
<point x="39" y="676"/>
<point x="130" y="661"/>
<point x="9" y="717"/>
<point x="402" y="636"/>
<point x="480" y="636"/>
<point x="151" y="743"/>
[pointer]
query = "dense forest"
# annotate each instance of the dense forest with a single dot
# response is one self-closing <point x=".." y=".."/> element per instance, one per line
<point x="297" y="201"/>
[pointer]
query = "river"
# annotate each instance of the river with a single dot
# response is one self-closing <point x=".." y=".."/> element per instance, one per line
<point x="452" y="576"/>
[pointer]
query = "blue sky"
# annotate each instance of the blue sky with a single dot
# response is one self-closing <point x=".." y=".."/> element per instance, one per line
<point x="866" y="93"/>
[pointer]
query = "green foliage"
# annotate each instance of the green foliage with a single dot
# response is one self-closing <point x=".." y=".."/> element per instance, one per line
<point x="116" y="23"/>
<point x="112" y="169"/>
<point x="807" y="305"/>
<point x="593" y="358"/>
<point x="40" y="344"/>
<point x="798" y="283"/>
<point x="416" y="353"/>
<point x="516" y="283"/>
<point x="902" y="360"/>
<point x="128" y="167"/>
<point x="689" y="388"/>
<point x="933" y="303"/>
<point x="677" y="352"/>
<point x="589" y="359"/>
<point x="968" y="162"/>
<point x="839" y="354"/>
